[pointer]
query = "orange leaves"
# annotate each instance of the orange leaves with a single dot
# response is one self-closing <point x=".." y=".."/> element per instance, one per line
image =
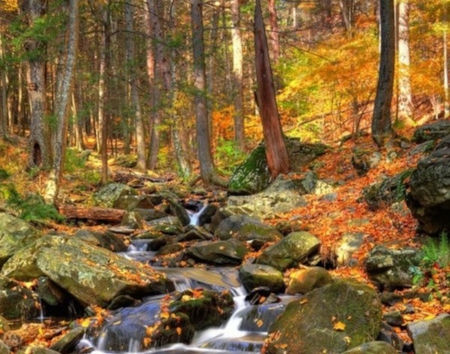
<point x="339" y="326"/>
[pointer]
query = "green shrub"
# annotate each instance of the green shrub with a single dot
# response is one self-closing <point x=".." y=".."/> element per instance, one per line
<point x="437" y="252"/>
<point x="228" y="155"/>
<point x="73" y="161"/>
<point x="4" y="174"/>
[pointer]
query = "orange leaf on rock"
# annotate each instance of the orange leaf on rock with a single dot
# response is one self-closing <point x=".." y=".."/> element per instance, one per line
<point x="339" y="326"/>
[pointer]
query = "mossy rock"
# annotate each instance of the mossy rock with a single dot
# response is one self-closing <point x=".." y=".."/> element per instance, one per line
<point x="330" y="319"/>
<point x="431" y="336"/>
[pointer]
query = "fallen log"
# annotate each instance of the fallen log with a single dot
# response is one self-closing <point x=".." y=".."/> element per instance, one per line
<point x="93" y="213"/>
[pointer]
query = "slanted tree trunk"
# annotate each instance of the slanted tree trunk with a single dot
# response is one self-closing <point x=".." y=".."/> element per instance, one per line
<point x="39" y="143"/>
<point x="63" y="95"/>
<point x="381" y="120"/>
<point x="239" y="133"/>
<point x="274" y="31"/>
<point x="405" y="104"/>
<point x="276" y="152"/>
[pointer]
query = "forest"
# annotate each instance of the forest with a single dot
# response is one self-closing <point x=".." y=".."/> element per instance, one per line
<point x="126" y="128"/>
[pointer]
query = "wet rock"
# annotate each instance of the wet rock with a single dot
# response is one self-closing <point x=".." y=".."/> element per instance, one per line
<point x="91" y="274"/>
<point x="170" y="225"/>
<point x="150" y="214"/>
<point x="332" y="319"/>
<point x="194" y="233"/>
<point x="206" y="214"/>
<point x="389" y="335"/>
<point x="17" y="301"/>
<point x="132" y="201"/>
<point x="291" y="251"/>
<point x="308" y="279"/>
<point x="257" y="275"/>
<point x="391" y="268"/>
<point x="132" y="220"/>
<point x="230" y="252"/>
<point x="14" y="234"/>
<point x="376" y="347"/>
<point x="431" y="336"/>
<point x="69" y="341"/>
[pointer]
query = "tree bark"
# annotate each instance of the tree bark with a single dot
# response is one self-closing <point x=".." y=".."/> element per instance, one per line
<point x="239" y="132"/>
<point x="94" y="213"/>
<point x="276" y="152"/>
<point x="63" y="95"/>
<point x="405" y="103"/>
<point x="274" y="31"/>
<point x="207" y="171"/>
<point x="39" y="143"/>
<point x="381" y="120"/>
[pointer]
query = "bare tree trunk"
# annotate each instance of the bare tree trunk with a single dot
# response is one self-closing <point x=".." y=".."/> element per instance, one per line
<point x="201" y="114"/>
<point x="39" y="144"/>
<point x="276" y="152"/>
<point x="63" y="95"/>
<point x="381" y="120"/>
<point x="4" y="99"/>
<point x="138" y="122"/>
<point x="239" y="132"/>
<point x="405" y="103"/>
<point x="274" y="31"/>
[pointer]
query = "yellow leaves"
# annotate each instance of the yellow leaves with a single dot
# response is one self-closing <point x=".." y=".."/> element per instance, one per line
<point x="147" y="341"/>
<point x="85" y="322"/>
<point x="339" y="326"/>
<point x="260" y="323"/>
<point x="179" y="330"/>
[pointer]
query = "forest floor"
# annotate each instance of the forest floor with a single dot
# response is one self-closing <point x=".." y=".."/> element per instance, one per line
<point x="328" y="221"/>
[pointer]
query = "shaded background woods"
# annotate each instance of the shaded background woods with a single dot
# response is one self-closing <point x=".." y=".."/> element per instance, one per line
<point x="134" y="84"/>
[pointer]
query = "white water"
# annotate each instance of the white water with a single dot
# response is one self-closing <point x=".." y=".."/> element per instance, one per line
<point x="195" y="216"/>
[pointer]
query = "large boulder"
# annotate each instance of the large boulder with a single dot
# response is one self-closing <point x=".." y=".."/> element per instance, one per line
<point x="247" y="229"/>
<point x="432" y="131"/>
<point x="308" y="279"/>
<point x="431" y="336"/>
<point x="256" y="275"/>
<point x="17" y="301"/>
<point x="429" y="196"/>
<point x="229" y="252"/>
<point x="392" y="268"/>
<point x="14" y="234"/>
<point x="253" y="175"/>
<point x="291" y="251"/>
<point x="330" y="319"/>
<point x="108" y="195"/>
<point x="376" y="347"/>
<point x="91" y="274"/>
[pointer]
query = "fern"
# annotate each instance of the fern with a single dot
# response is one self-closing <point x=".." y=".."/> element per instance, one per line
<point x="437" y="252"/>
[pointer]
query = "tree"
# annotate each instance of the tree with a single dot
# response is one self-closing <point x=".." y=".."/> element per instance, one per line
<point x="63" y="96"/>
<point x="207" y="170"/>
<point x="239" y="133"/>
<point x="381" y="119"/>
<point x="276" y="152"/>
<point x="39" y="142"/>
<point x="405" y="104"/>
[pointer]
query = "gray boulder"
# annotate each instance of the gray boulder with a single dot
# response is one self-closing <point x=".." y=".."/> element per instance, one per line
<point x="431" y="336"/>
<point x="330" y="319"/>
<point x="392" y="268"/>
<point x="432" y="131"/>
<point x="350" y="243"/>
<point x="14" y="234"/>
<point x="429" y="196"/>
<point x="257" y="275"/>
<point x="109" y="194"/>
<point x="291" y="251"/>
<point x="91" y="274"/>
<point x="170" y="225"/>
<point x="246" y="228"/>
<point x="17" y="301"/>
<point x="230" y="252"/>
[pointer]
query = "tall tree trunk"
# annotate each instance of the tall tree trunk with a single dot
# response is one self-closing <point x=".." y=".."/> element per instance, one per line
<point x="405" y="104"/>
<point x="239" y="133"/>
<point x="4" y="99"/>
<point x="381" y="120"/>
<point x="201" y="114"/>
<point x="274" y="31"/>
<point x="276" y="152"/>
<point x="138" y="122"/>
<point x="39" y="143"/>
<point x="63" y="95"/>
<point x="446" y="79"/>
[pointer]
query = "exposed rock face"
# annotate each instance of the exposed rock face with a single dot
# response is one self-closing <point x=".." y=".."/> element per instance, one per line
<point x="16" y="301"/>
<point x="431" y="336"/>
<point x="230" y="252"/>
<point x="432" y="131"/>
<point x="390" y="268"/>
<point x="429" y="196"/>
<point x="291" y="251"/>
<point x="376" y="347"/>
<point x="308" y="279"/>
<point x="14" y="234"/>
<point x="330" y="319"/>
<point x="91" y="274"/>
<point x="109" y="194"/>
